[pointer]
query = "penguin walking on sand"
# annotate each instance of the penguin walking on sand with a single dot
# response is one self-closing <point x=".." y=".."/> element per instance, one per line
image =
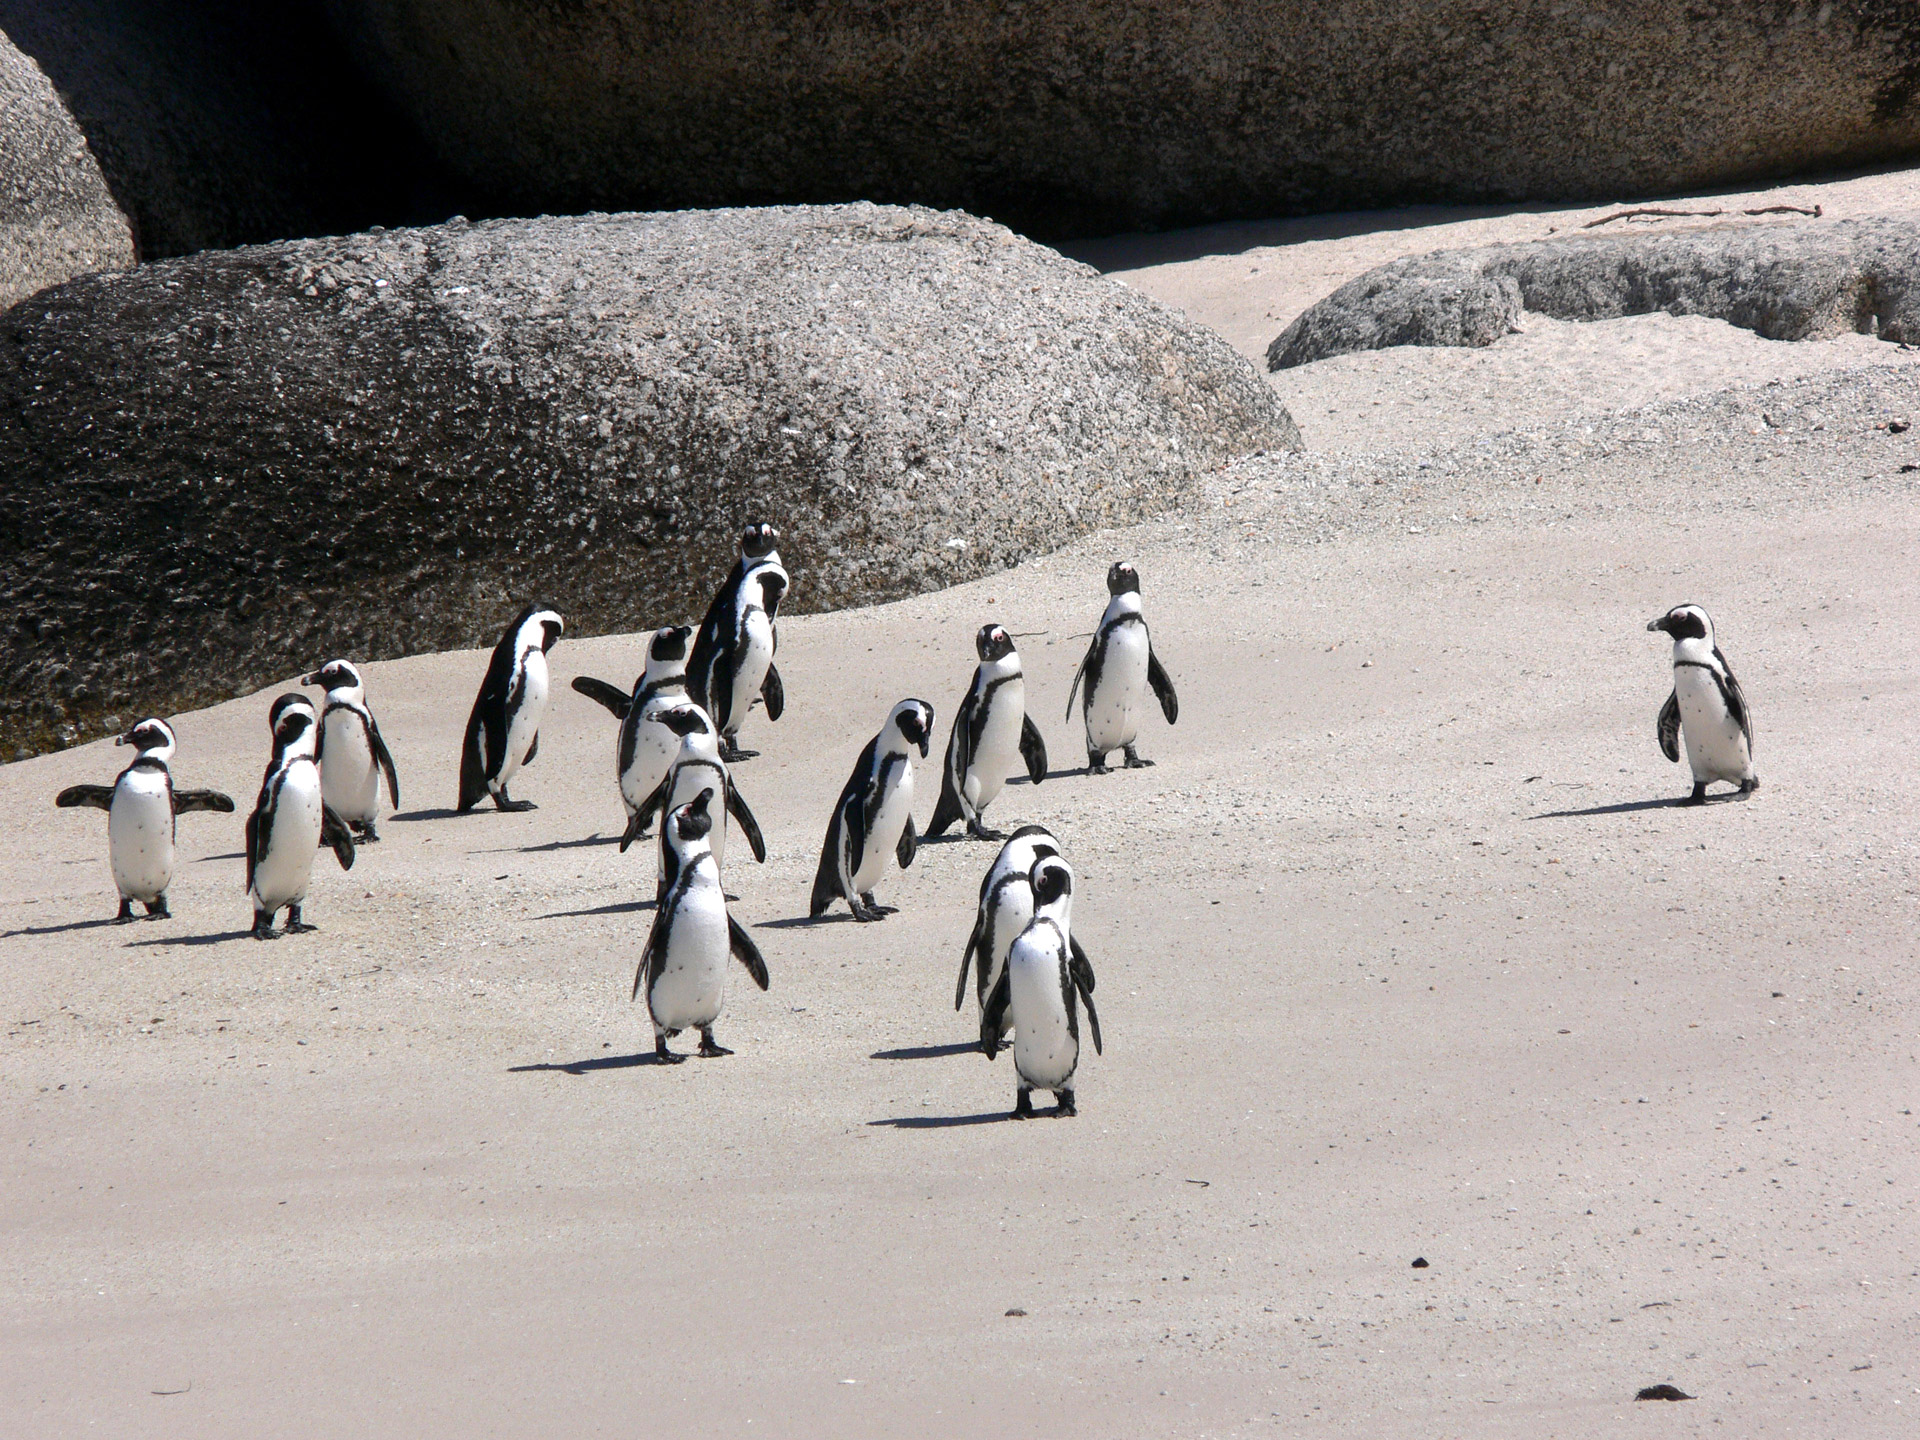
<point x="351" y="752"/>
<point x="990" y="729"/>
<point x="290" y="821"/>
<point x="1119" y="668"/>
<point x="141" y="805"/>
<point x="646" y="746"/>
<point x="732" y="661"/>
<point x="1006" y="909"/>
<point x="873" y="817"/>
<point x="503" y="732"/>
<point x="683" y="967"/>
<point x="697" y="766"/>
<point x="1707" y="707"/>
<point x="1046" y="977"/>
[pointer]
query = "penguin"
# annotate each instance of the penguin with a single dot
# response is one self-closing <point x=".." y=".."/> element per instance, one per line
<point x="684" y="964"/>
<point x="991" y="726"/>
<point x="696" y="766"/>
<point x="308" y="740"/>
<point x="503" y="732"/>
<point x="1119" y="668"/>
<point x="141" y="805"/>
<point x="646" y="747"/>
<point x="874" y="815"/>
<point x="1707" y="706"/>
<point x="351" y="752"/>
<point x="1045" y="979"/>
<point x="290" y="821"/>
<point x="1006" y="908"/>
<point x="732" y="659"/>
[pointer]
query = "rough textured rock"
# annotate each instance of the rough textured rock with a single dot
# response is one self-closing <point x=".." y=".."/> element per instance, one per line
<point x="226" y="122"/>
<point x="57" y="219"/>
<point x="1090" y="116"/>
<point x="1803" y="281"/>
<point x="230" y="467"/>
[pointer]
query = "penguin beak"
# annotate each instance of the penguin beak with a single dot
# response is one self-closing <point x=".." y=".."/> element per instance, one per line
<point x="313" y="679"/>
<point x="1659" y="624"/>
<point x="126" y="739"/>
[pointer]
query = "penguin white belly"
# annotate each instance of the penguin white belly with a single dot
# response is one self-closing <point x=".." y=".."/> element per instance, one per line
<point x="691" y="985"/>
<point x="756" y="654"/>
<point x="1011" y="913"/>
<point x="654" y="749"/>
<point x="523" y="726"/>
<point x="885" y="835"/>
<point x="1045" y="1052"/>
<point x="140" y="836"/>
<point x="998" y="754"/>
<point x="1716" y="745"/>
<point x="280" y="877"/>
<point x="690" y="777"/>
<point x="349" y="780"/>
<point x="1113" y="707"/>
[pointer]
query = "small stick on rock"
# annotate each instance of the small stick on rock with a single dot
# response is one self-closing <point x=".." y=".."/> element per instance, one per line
<point x="1815" y="212"/>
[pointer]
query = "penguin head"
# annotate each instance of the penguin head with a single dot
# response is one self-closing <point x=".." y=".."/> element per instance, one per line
<point x="685" y="720"/>
<point x="992" y="643"/>
<point x="758" y="539"/>
<point x="292" y="700"/>
<point x="293" y="729"/>
<point x="669" y="643"/>
<point x="692" y="821"/>
<point x="336" y="675"/>
<point x="1052" y="880"/>
<point x="1685" y="622"/>
<point x="150" y="737"/>
<point x="551" y="627"/>
<point x="1122" y="579"/>
<point x="914" y="720"/>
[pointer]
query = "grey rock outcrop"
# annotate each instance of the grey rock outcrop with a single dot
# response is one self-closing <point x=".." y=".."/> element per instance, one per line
<point x="1800" y="281"/>
<point x="229" y="467"/>
<point x="57" y="219"/>
<point x="1088" y="117"/>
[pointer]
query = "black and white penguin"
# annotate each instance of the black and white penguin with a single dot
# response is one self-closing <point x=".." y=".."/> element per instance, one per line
<point x="990" y="729"/>
<point x="696" y="766"/>
<point x="290" y="821"/>
<point x="503" y="732"/>
<point x="646" y="747"/>
<point x="141" y="805"/>
<point x="1707" y="706"/>
<point x="684" y="965"/>
<point x="1046" y="976"/>
<point x="873" y="817"/>
<point x="308" y="740"/>
<point x="1006" y="909"/>
<point x="351" y="752"/>
<point x="1119" y="668"/>
<point x="732" y="660"/>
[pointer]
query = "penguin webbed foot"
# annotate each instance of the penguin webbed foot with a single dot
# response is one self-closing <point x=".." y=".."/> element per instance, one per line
<point x="364" y="833"/>
<point x="512" y="807"/>
<point x="1749" y="785"/>
<point x="157" y="909"/>
<point x="1023" y="1104"/>
<point x="263" y="926"/>
<point x="731" y="752"/>
<point x="1063" y="1108"/>
<point x="126" y="916"/>
<point x="709" y="1048"/>
<point x="1134" y="762"/>
<point x="664" y="1055"/>
<point x="297" y="926"/>
<point x="981" y="832"/>
<point x="1699" y="795"/>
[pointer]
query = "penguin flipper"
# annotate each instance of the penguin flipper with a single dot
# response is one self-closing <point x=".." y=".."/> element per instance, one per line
<point x="826" y="880"/>
<point x="188" y="800"/>
<point x="749" y="826"/>
<point x="532" y="750"/>
<point x="1033" y="749"/>
<point x="1074" y="689"/>
<point x="1162" y="685"/>
<point x="992" y="1010"/>
<point x="974" y="942"/>
<point x="1668" y="726"/>
<point x="1081" y="969"/>
<point x="611" y="696"/>
<point x="253" y="841"/>
<point x="642" y="817"/>
<point x="636" y="822"/>
<point x="100" y="797"/>
<point x="656" y="945"/>
<point x="909" y="845"/>
<point x="773" y="692"/>
<point x="336" y="836"/>
<point x="947" y="811"/>
<point x="746" y="952"/>
<point x="384" y="757"/>
<point x="1735" y="698"/>
<point x="473" y="760"/>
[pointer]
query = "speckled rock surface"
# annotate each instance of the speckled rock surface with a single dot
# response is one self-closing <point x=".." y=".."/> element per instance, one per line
<point x="1101" y="115"/>
<point x="57" y="218"/>
<point x="230" y="467"/>
<point x="1797" y="281"/>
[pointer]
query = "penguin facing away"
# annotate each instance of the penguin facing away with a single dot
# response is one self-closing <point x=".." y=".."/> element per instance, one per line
<point x="1707" y="708"/>
<point x="697" y="766"/>
<point x="290" y="821"/>
<point x="1006" y="909"/>
<point x="873" y="818"/>
<point x="732" y="661"/>
<point x="990" y="729"/>
<point x="1119" y="668"/>
<point x="1045" y="980"/>
<point x="646" y="746"/>
<point x="141" y="805"/>
<point x="351" y="752"/>
<point x="683" y="967"/>
<point x="503" y="732"/>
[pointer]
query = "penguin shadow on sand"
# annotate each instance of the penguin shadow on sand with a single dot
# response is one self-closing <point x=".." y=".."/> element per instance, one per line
<point x="1631" y="807"/>
<point x="620" y="907"/>
<point x="218" y="939"/>
<point x="444" y="813"/>
<point x="942" y="1122"/>
<point x="63" y="929"/>
<point x="588" y="1066"/>
<point x="551" y="846"/>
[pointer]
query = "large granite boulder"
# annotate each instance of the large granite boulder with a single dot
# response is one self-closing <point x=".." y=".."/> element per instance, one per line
<point x="1794" y="281"/>
<point x="227" y="468"/>
<point x="1088" y="116"/>
<point x="57" y="219"/>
